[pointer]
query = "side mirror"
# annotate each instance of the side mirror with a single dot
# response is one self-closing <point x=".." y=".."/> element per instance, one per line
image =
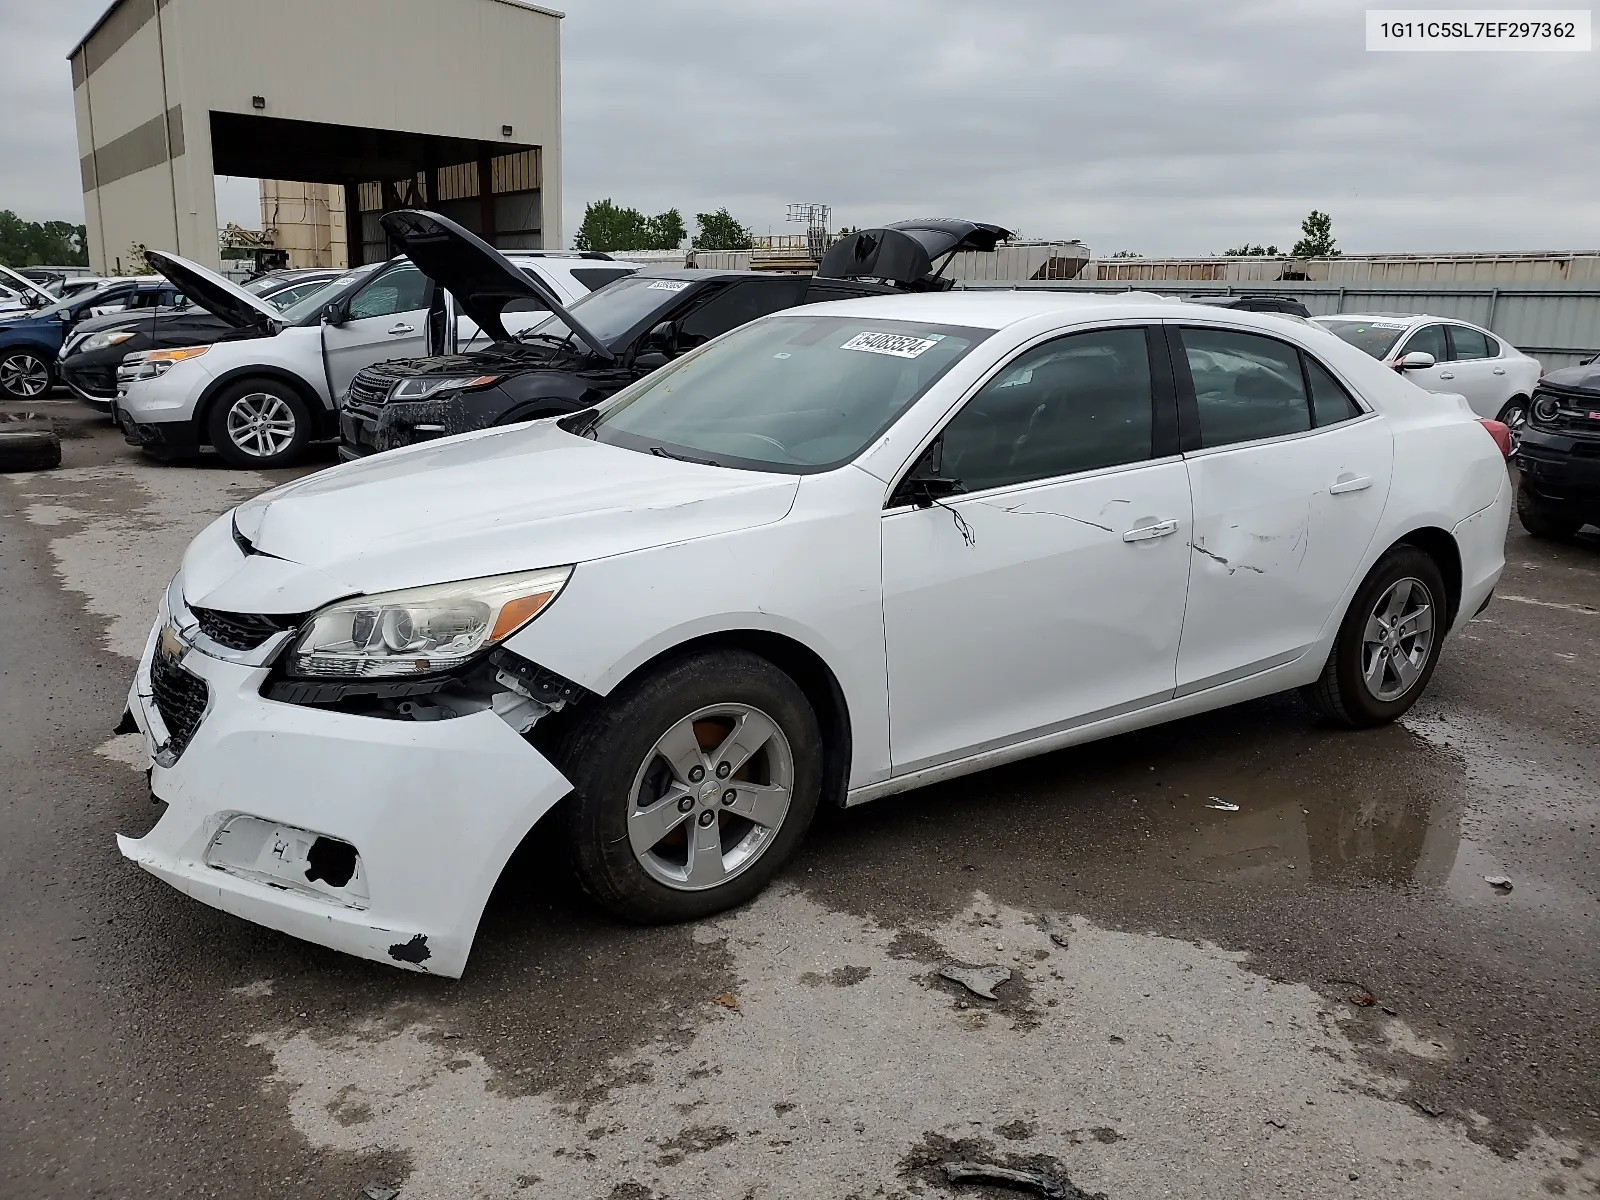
<point x="663" y="338"/>
<point x="651" y="360"/>
<point x="333" y="315"/>
<point x="1417" y="360"/>
<point x="929" y="490"/>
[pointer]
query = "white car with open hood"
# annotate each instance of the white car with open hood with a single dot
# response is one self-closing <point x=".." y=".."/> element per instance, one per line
<point x="839" y="552"/>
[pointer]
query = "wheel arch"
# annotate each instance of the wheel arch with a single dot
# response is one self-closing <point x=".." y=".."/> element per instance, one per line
<point x="202" y="409"/>
<point x="535" y="410"/>
<point x="1439" y="545"/>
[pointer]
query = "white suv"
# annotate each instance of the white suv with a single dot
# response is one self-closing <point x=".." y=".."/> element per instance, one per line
<point x="262" y="395"/>
<point x="1442" y="355"/>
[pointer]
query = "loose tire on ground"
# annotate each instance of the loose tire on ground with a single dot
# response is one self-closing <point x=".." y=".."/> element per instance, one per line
<point x="1343" y="693"/>
<point x="29" y="450"/>
<point x="614" y="758"/>
<point x="260" y="423"/>
<point x="1542" y="521"/>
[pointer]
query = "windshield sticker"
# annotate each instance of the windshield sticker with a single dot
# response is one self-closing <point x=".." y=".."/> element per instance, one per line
<point x="898" y="344"/>
<point x="1386" y="325"/>
<point x="667" y="285"/>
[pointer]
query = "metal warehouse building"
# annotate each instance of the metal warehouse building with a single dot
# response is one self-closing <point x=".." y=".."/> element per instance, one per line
<point x="453" y="104"/>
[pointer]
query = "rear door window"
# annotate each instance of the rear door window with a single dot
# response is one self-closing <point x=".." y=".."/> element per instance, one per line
<point x="1246" y="386"/>
<point x="1466" y="344"/>
<point x="1330" y="403"/>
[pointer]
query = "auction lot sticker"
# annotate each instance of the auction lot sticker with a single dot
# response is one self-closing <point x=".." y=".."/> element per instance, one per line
<point x="898" y="344"/>
<point x="1479" y="29"/>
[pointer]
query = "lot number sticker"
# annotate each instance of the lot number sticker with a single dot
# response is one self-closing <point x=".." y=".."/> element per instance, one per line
<point x="667" y="285"/>
<point x="898" y="344"/>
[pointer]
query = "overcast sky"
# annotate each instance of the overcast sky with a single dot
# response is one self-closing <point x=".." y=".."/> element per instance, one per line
<point x="1160" y="126"/>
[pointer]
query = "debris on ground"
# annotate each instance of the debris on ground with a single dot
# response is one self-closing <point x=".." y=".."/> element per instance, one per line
<point x="980" y="981"/>
<point x="1277" y="1124"/>
<point x="1056" y="928"/>
<point x="1046" y="1183"/>
<point x="727" y="1000"/>
<point x="1433" y="1110"/>
<point x="1363" y="999"/>
<point x="379" y="1190"/>
<point x="1499" y="882"/>
<point x="1221" y="805"/>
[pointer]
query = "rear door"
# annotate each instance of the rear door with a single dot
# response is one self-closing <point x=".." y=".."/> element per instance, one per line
<point x="1474" y="372"/>
<point x="1289" y="476"/>
<point x="386" y="319"/>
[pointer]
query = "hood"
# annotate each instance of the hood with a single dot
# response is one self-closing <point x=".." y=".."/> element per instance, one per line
<point x="21" y="283"/>
<point x="482" y="280"/>
<point x="495" y="501"/>
<point x="212" y="292"/>
<point x="1585" y="376"/>
<point x="903" y="252"/>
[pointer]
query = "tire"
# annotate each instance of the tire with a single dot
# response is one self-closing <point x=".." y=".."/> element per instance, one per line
<point x="1343" y="694"/>
<point x="29" y="450"/>
<point x="615" y="760"/>
<point x="1544" y="521"/>
<point x="260" y="423"/>
<point x="1514" y="416"/>
<point x="25" y="374"/>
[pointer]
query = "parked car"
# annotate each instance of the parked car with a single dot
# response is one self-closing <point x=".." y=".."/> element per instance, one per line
<point x="574" y="359"/>
<point x="90" y="357"/>
<point x="261" y="397"/>
<point x="1255" y="302"/>
<point x="1558" y="457"/>
<point x="29" y="342"/>
<point x="836" y="553"/>
<point x="1443" y="355"/>
<point x="19" y="293"/>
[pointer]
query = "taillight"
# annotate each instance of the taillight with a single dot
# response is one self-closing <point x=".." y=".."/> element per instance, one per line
<point x="1500" y="432"/>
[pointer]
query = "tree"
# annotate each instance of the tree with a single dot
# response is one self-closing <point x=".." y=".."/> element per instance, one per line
<point x="1317" y="237"/>
<point x="607" y="226"/>
<point x="719" y="231"/>
<point x="32" y="244"/>
<point x="1249" y="251"/>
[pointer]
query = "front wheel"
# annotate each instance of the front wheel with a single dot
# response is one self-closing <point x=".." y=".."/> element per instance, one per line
<point x="1388" y="643"/>
<point x="692" y="785"/>
<point x="259" y="423"/>
<point x="24" y="375"/>
<point x="1543" y="521"/>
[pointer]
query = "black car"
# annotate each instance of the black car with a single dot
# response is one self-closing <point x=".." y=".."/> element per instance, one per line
<point x="1558" y="455"/>
<point x="89" y="360"/>
<point x="1256" y="302"/>
<point x="603" y="341"/>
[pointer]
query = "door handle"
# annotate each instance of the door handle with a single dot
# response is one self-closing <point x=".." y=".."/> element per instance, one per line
<point x="1350" y="484"/>
<point x="1447" y="374"/>
<point x="1146" y="533"/>
<point x="402" y="328"/>
<point x="1499" y="370"/>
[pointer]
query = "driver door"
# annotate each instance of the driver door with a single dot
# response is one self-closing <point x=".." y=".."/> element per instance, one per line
<point x="386" y="319"/>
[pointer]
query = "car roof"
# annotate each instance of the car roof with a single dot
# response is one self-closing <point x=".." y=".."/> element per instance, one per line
<point x="996" y="309"/>
<point x="1411" y="318"/>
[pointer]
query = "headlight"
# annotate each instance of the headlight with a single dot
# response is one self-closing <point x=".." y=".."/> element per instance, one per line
<point x="424" y="629"/>
<point x="424" y="386"/>
<point x="153" y="363"/>
<point x="103" y="341"/>
<point x="1545" y="409"/>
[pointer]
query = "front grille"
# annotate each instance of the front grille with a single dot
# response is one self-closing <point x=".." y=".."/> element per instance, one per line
<point x="241" y="631"/>
<point x="180" y="699"/>
<point x="370" y="388"/>
<point x="1579" y="412"/>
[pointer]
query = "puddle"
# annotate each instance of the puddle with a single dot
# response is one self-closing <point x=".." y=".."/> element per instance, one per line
<point x="66" y="425"/>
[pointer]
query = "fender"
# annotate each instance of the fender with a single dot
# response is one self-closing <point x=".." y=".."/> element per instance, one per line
<point x="320" y="412"/>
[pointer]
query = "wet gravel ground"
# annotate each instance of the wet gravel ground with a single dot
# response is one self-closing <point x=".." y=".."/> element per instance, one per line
<point x="1314" y="994"/>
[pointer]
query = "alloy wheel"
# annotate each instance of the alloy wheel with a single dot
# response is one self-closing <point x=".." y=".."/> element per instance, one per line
<point x="710" y="797"/>
<point x="24" y="375"/>
<point x="1397" y="639"/>
<point x="1514" y="418"/>
<point x="261" y="424"/>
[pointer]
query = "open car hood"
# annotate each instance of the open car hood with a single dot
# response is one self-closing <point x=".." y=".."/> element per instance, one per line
<point x="14" y="280"/>
<point x="212" y="292"/>
<point x="482" y="280"/>
<point x="903" y="252"/>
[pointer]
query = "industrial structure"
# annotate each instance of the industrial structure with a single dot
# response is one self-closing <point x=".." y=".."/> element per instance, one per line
<point x="453" y="105"/>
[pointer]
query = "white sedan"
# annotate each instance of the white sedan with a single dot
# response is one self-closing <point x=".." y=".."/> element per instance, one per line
<point x="1443" y="355"/>
<point x="838" y="553"/>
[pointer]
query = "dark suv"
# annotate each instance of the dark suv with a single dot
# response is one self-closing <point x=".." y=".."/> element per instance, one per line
<point x="1559" y="454"/>
<point x="603" y="341"/>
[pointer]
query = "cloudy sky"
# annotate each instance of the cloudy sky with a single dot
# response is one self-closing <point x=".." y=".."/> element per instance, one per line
<point x="1160" y="126"/>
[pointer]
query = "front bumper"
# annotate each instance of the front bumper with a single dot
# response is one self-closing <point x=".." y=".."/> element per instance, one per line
<point x="371" y="429"/>
<point x="96" y="386"/>
<point x="432" y="809"/>
<point x="1560" y="469"/>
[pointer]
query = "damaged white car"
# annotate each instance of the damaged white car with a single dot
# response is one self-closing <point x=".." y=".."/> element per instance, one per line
<point x="840" y="552"/>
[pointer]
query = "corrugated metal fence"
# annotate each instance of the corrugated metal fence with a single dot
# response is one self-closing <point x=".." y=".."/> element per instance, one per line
<point x="1559" y="324"/>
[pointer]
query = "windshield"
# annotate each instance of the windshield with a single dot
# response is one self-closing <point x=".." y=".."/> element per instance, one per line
<point x="790" y="393"/>
<point x="1376" y="337"/>
<point x="309" y="310"/>
<point x="65" y="307"/>
<point x="616" y="308"/>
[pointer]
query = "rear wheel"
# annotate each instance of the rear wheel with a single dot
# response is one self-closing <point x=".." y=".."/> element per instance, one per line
<point x="24" y="374"/>
<point x="1514" y="416"/>
<point x="259" y="423"/>
<point x="1543" y="520"/>
<point x="1388" y="643"/>
<point x="693" y="786"/>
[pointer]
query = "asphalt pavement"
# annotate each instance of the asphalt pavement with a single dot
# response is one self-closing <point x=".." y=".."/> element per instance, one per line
<point x="1250" y="955"/>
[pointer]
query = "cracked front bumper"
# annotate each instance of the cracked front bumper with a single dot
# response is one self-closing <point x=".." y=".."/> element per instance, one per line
<point x="433" y="809"/>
